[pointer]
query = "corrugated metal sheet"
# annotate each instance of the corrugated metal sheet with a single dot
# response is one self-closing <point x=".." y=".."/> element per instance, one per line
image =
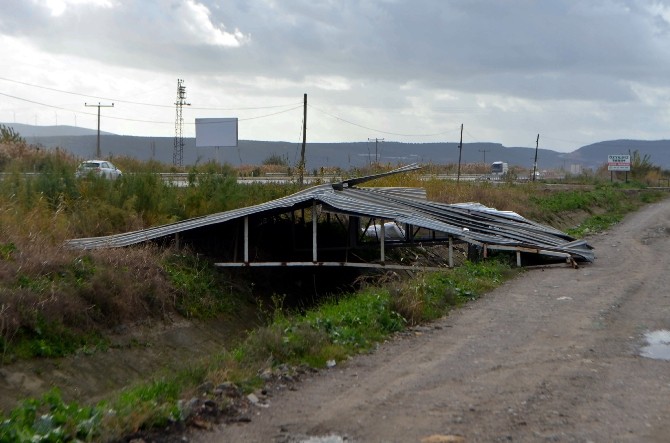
<point x="469" y="222"/>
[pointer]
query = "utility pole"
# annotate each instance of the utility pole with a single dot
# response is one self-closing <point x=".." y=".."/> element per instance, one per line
<point x="460" y="151"/>
<point x="377" y="140"/>
<point x="484" y="151"/>
<point x="537" y="143"/>
<point x="304" y="139"/>
<point x="97" y="149"/>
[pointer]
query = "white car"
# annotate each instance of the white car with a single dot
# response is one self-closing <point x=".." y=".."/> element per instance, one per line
<point x="101" y="168"/>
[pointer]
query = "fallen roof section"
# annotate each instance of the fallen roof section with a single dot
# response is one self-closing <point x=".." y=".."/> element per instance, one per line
<point x="472" y="223"/>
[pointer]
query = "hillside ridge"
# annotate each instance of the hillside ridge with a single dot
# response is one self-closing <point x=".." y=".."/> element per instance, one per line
<point x="347" y="155"/>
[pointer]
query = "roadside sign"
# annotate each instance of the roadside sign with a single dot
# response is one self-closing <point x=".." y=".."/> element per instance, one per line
<point x="618" y="162"/>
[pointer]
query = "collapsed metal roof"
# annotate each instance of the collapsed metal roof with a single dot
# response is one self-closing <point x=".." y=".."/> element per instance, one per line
<point x="472" y="223"/>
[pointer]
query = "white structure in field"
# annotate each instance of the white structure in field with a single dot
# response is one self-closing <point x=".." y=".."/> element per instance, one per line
<point x="391" y="231"/>
<point x="216" y="132"/>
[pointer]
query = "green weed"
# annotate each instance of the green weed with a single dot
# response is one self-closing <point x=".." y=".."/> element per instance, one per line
<point x="357" y="321"/>
<point x="7" y="250"/>
<point x="49" y="419"/>
<point x="152" y="404"/>
<point x="199" y="286"/>
<point x="595" y="224"/>
<point x="431" y="295"/>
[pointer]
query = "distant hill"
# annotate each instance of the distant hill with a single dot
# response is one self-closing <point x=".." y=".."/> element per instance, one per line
<point x="344" y="155"/>
<point x="596" y="154"/>
<point x="82" y="143"/>
<point x="30" y="131"/>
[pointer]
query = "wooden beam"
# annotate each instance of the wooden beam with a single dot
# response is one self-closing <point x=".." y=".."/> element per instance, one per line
<point x="329" y="264"/>
<point x="383" y="237"/>
<point x="246" y="239"/>
<point x="314" y="224"/>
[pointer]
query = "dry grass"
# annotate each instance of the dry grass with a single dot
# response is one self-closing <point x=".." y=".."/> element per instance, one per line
<point x="505" y="197"/>
<point x="45" y="289"/>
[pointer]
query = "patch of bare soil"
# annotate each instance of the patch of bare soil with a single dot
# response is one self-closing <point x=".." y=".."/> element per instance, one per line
<point x="137" y="353"/>
<point x="553" y="355"/>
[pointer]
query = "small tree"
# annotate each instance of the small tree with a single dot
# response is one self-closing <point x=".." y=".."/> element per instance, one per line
<point x="275" y="159"/>
<point x="9" y="135"/>
<point x="640" y="165"/>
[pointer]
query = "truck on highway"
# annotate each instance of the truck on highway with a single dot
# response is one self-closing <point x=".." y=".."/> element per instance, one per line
<point x="499" y="168"/>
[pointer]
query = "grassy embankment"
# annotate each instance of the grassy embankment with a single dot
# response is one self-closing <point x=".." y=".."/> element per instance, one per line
<point x="55" y="302"/>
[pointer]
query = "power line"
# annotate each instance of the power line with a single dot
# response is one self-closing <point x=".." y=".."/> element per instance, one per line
<point x="134" y="119"/>
<point x="270" y="115"/>
<point x="299" y="106"/>
<point x="141" y="103"/>
<point x="378" y="130"/>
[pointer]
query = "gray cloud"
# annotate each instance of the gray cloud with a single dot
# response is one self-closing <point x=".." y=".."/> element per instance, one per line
<point x="480" y="45"/>
<point x="385" y="54"/>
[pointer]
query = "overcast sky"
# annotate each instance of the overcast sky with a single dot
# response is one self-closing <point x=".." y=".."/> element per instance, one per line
<point x="573" y="71"/>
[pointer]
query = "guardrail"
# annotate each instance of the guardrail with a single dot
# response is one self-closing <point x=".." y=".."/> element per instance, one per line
<point x="181" y="178"/>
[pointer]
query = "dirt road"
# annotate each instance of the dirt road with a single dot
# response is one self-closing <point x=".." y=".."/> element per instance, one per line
<point x="552" y="356"/>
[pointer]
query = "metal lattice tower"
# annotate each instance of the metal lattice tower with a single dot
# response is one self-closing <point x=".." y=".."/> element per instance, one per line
<point x="178" y="155"/>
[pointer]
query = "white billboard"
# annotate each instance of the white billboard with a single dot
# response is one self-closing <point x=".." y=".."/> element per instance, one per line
<point x="216" y="132"/>
<point x="618" y="162"/>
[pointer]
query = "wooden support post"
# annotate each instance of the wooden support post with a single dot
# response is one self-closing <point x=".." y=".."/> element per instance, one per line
<point x="354" y="231"/>
<point x="451" y="251"/>
<point x="235" y="241"/>
<point x="177" y="241"/>
<point x="486" y="251"/>
<point x="293" y="230"/>
<point x="246" y="239"/>
<point x="314" y="257"/>
<point x="383" y="236"/>
<point x="518" y="259"/>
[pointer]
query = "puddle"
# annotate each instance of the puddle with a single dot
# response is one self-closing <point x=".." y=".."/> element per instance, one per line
<point x="326" y="439"/>
<point x="658" y="345"/>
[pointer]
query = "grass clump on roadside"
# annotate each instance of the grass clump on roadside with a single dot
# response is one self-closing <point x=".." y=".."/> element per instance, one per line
<point x="429" y="295"/>
<point x="594" y="224"/>
<point x="605" y="206"/>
